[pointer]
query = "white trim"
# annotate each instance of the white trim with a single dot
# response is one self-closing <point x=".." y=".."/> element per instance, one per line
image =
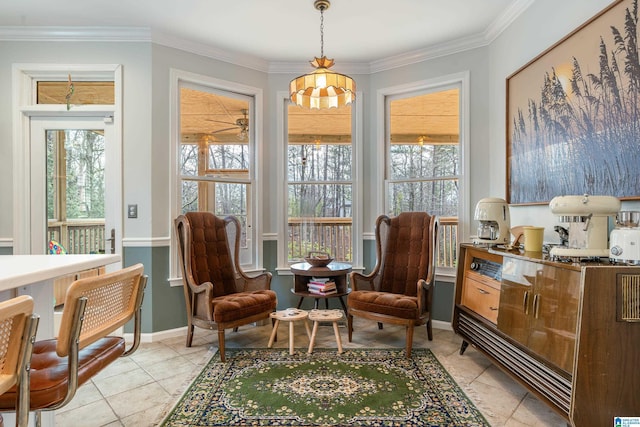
<point x="460" y="80"/>
<point x="357" y="126"/>
<point x="182" y="332"/>
<point x="143" y="34"/>
<point x="281" y="179"/>
<point x="146" y="242"/>
<point x="24" y="106"/>
<point x="6" y="242"/>
<point x="75" y="34"/>
<point x="441" y="324"/>
<point x="178" y="77"/>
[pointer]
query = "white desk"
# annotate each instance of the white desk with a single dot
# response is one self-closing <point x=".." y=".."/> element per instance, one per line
<point x="34" y="275"/>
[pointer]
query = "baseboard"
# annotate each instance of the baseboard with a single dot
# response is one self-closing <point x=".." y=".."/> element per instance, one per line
<point x="159" y="336"/>
<point x="441" y="324"/>
<point x="182" y="332"/>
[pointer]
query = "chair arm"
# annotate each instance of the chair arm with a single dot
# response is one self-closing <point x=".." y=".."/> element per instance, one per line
<point x="260" y="282"/>
<point x="355" y="277"/>
<point x="424" y="287"/>
<point x="198" y="289"/>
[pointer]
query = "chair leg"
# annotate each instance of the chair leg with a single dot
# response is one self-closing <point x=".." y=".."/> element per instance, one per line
<point x="429" y="330"/>
<point x="189" y="334"/>
<point x="350" y="326"/>
<point x="221" y="344"/>
<point x="409" y="340"/>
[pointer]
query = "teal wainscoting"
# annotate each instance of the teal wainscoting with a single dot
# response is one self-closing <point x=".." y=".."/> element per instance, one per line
<point x="164" y="308"/>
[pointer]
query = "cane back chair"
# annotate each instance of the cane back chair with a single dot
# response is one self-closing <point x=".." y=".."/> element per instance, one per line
<point x="94" y="308"/>
<point x="18" y="326"/>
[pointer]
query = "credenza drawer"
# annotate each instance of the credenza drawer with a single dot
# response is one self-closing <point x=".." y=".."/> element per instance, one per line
<point x="481" y="298"/>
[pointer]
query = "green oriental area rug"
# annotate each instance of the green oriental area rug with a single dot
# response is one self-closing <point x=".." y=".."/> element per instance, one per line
<point x="374" y="387"/>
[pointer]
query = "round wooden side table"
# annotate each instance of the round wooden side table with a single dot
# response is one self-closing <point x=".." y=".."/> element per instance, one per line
<point x="303" y="272"/>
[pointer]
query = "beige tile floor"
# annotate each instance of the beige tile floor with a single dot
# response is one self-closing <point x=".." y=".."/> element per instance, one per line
<point x="134" y="391"/>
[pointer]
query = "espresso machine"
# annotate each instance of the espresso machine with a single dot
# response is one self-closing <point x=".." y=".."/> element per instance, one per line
<point x="495" y="223"/>
<point x="625" y="238"/>
<point x="587" y="218"/>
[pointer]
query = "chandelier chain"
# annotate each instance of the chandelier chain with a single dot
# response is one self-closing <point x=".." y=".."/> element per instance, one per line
<point x="321" y="32"/>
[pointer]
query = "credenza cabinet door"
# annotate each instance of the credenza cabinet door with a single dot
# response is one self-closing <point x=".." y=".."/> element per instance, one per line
<point x="539" y="308"/>
<point x="554" y="314"/>
<point x="516" y="293"/>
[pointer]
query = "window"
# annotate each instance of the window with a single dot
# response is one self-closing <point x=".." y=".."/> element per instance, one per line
<point x="216" y="158"/>
<point x="321" y="190"/>
<point x="423" y="160"/>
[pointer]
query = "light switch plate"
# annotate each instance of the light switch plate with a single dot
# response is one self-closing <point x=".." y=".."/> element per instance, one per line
<point x="132" y="211"/>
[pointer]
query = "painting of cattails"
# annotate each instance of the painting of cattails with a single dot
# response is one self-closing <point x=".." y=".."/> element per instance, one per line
<point x="573" y="114"/>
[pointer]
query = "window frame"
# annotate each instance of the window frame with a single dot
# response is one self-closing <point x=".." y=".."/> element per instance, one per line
<point x="461" y="82"/>
<point x="180" y="79"/>
<point x="356" y="181"/>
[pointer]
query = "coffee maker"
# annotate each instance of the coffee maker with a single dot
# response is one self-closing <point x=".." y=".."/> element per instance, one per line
<point x="495" y="223"/>
<point x="625" y="238"/>
<point x="588" y="224"/>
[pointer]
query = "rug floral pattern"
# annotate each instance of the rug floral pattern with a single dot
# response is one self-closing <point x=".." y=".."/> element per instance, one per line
<point x="375" y="387"/>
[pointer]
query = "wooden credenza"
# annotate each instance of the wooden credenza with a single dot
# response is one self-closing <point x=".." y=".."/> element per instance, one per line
<point x="568" y="332"/>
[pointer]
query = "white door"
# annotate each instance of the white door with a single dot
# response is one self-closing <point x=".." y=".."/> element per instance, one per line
<point x="89" y="151"/>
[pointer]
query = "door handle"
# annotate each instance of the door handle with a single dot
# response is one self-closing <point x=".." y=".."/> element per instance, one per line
<point x="112" y="250"/>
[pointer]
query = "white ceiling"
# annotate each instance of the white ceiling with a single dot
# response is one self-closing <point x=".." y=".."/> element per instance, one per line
<point x="355" y="31"/>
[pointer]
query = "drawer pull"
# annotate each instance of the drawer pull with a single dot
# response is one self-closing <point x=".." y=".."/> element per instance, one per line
<point x="493" y="308"/>
<point x="482" y="291"/>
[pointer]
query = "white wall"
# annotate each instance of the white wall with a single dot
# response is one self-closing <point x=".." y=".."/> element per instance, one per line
<point x="136" y="61"/>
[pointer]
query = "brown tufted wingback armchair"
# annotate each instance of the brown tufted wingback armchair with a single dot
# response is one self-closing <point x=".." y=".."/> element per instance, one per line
<point x="399" y="290"/>
<point x="218" y="294"/>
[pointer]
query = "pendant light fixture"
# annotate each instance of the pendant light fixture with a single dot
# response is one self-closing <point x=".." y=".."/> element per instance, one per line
<point x="322" y="88"/>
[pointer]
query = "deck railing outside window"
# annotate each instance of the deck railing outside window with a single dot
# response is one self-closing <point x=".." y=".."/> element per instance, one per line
<point x="78" y="237"/>
<point x="333" y="235"/>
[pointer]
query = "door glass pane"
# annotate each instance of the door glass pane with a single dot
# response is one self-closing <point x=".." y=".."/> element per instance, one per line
<point x="75" y="190"/>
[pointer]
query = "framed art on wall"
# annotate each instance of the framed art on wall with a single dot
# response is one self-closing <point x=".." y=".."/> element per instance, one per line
<point x="573" y="114"/>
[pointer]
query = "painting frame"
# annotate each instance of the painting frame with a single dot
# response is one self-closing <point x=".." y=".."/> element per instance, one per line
<point x="572" y="115"/>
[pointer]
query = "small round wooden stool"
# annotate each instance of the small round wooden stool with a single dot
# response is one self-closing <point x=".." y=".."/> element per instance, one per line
<point x="317" y="316"/>
<point x="290" y="315"/>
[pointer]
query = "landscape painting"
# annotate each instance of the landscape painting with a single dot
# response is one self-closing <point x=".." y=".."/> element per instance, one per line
<point x="573" y="114"/>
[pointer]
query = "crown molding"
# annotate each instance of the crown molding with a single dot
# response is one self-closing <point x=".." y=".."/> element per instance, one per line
<point x="506" y="18"/>
<point x="212" y="52"/>
<point x="82" y="34"/>
<point x="138" y="34"/>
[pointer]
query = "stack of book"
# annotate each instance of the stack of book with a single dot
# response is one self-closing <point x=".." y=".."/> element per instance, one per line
<point x="322" y="286"/>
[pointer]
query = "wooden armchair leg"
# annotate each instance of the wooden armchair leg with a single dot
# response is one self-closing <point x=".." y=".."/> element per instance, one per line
<point x="350" y="326"/>
<point x="379" y="325"/>
<point x="429" y="330"/>
<point x="221" y="344"/>
<point x="189" y="334"/>
<point x="409" y="340"/>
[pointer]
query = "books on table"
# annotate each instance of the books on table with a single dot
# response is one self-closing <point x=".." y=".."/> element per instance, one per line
<point x="322" y="286"/>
